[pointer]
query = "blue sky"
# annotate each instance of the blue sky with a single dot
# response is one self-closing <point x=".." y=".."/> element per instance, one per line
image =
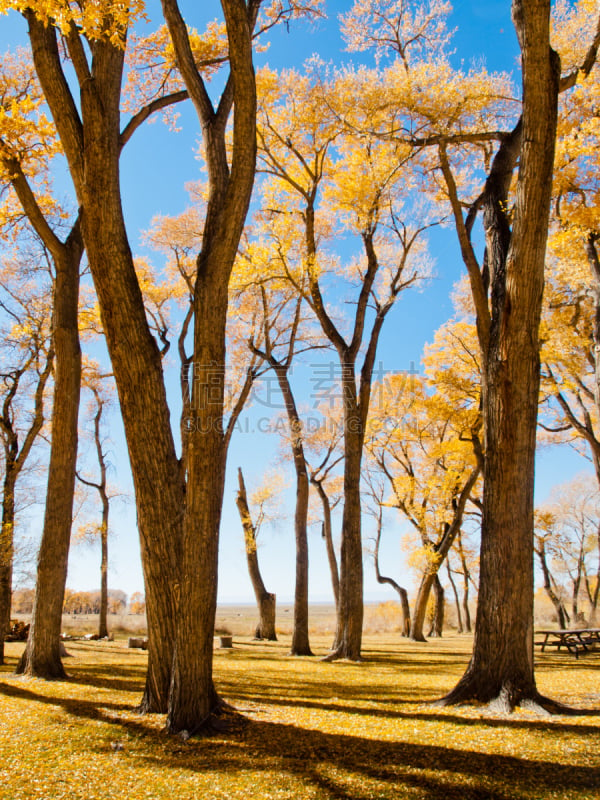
<point x="155" y="168"/>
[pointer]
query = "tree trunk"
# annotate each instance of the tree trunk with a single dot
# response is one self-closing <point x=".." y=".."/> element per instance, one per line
<point x="556" y="601"/>
<point x="42" y="656"/>
<point x="348" y="639"/>
<point x="300" y="638"/>
<point x="420" y="612"/>
<point x="192" y="696"/>
<point x="6" y="553"/>
<point x="264" y="600"/>
<point x="466" y="578"/>
<point x="103" y="621"/>
<point x="437" y="624"/>
<point x="402" y="593"/>
<point x="328" y="536"/>
<point x="92" y="147"/>
<point x="439" y="555"/>
<point x="460" y="628"/>
<point x="501" y="666"/>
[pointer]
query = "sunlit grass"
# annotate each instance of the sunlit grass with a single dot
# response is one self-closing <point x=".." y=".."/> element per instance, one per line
<point x="315" y="730"/>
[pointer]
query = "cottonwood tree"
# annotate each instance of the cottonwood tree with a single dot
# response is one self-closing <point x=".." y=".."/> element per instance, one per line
<point x="544" y="532"/>
<point x="364" y="183"/>
<point x="280" y="338"/>
<point x="571" y="538"/>
<point x="230" y="181"/>
<point x="95" y="383"/>
<point x="92" y="140"/>
<point x="429" y="461"/>
<point x="507" y="294"/>
<point x="26" y="360"/>
<point x="263" y="500"/>
<point x="375" y="507"/>
<point x="28" y="145"/>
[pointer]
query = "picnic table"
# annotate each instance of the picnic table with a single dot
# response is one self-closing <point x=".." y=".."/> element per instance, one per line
<point x="575" y="640"/>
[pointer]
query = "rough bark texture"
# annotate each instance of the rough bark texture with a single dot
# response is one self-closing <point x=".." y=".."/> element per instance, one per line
<point x="501" y="667"/>
<point x="264" y="600"/>
<point x="192" y="697"/>
<point x="42" y="656"/>
<point x="92" y="147"/>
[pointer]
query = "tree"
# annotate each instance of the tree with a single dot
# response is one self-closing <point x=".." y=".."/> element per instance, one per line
<point x="26" y="369"/>
<point x="429" y="459"/>
<point x="299" y="137"/>
<point x="568" y="531"/>
<point x="544" y="529"/>
<point x="93" y="382"/>
<point x="264" y="600"/>
<point x="501" y="667"/>
<point x="376" y="490"/>
<point x="28" y="145"/>
<point x="230" y="180"/>
<point x="281" y="337"/>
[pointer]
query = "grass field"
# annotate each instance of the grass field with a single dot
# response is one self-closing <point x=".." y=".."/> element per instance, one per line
<point x="311" y="729"/>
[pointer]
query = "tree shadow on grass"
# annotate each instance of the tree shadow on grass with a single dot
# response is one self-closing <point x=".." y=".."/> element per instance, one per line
<point x="89" y="709"/>
<point x="339" y="766"/>
<point x="343" y="767"/>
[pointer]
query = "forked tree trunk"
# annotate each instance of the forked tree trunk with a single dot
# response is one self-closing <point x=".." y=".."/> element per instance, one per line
<point x="42" y="656"/>
<point x="439" y="555"/>
<point x="501" y="667"/>
<point x="92" y="147"/>
<point x="265" y="601"/>
<point x="466" y="578"/>
<point x="192" y="697"/>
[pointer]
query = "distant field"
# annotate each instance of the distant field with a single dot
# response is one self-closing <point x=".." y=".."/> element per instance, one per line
<point x="241" y="620"/>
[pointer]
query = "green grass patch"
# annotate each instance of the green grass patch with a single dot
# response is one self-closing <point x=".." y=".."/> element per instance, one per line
<point x="314" y="730"/>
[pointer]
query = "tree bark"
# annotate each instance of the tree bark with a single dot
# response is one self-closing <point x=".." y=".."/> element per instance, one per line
<point x="192" y="697"/>
<point x="101" y="488"/>
<point x="92" y="147"/>
<point x="264" y="600"/>
<point x="15" y="456"/>
<point x="6" y="552"/>
<point x="501" y="667"/>
<point x="42" y="656"/>
<point x="466" y="578"/>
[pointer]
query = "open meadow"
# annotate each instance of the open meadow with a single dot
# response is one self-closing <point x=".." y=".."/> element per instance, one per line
<point x="306" y="729"/>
